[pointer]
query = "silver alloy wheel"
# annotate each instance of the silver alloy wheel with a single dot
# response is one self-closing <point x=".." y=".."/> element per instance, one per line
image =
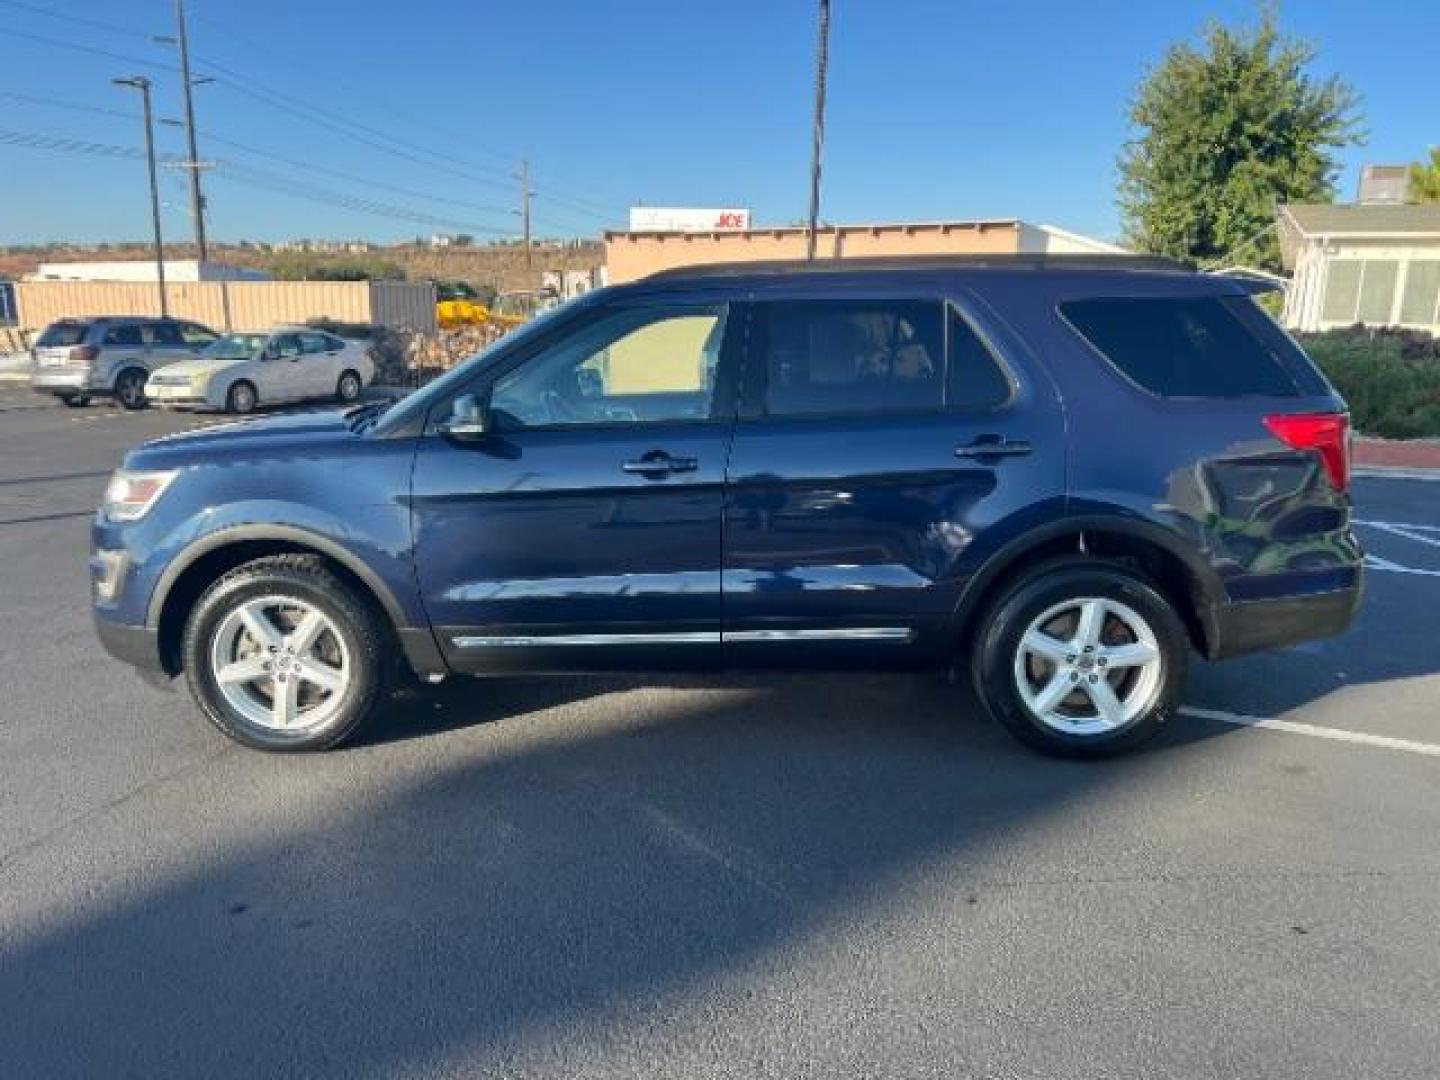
<point x="1088" y="666"/>
<point x="281" y="663"/>
<point x="349" y="386"/>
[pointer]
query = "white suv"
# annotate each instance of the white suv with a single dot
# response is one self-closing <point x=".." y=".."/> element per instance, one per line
<point x="77" y="359"/>
<point x="240" y="371"/>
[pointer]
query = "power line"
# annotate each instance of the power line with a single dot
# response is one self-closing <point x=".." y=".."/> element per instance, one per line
<point x="606" y="205"/>
<point x="59" y="44"/>
<point x="307" y="166"/>
<point x="248" y="87"/>
<point x="97" y="24"/>
<point x="245" y="175"/>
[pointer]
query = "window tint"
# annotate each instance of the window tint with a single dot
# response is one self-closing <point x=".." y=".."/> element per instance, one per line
<point x="1181" y="347"/>
<point x="60" y="334"/>
<point x="975" y="382"/>
<point x="163" y="333"/>
<point x="851" y="356"/>
<point x="632" y="365"/>
<point x="195" y="335"/>
<point x="123" y="335"/>
<point x="317" y="343"/>
<point x="287" y="345"/>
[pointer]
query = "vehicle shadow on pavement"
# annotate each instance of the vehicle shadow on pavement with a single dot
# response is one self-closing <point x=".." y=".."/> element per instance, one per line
<point x="609" y="851"/>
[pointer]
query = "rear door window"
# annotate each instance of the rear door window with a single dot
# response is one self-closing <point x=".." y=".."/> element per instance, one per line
<point x="1194" y="347"/>
<point x="163" y="333"/>
<point x="836" y="357"/>
<point x="128" y="334"/>
<point x="975" y="382"/>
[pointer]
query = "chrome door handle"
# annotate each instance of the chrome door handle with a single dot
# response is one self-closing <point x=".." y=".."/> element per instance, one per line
<point x="993" y="446"/>
<point x="657" y="463"/>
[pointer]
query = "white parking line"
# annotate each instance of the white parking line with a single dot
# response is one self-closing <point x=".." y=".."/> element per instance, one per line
<point x="1375" y="562"/>
<point x="1418" y="533"/>
<point x="1363" y="738"/>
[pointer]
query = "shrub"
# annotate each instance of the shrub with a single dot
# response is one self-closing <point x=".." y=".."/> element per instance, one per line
<point x="1391" y="378"/>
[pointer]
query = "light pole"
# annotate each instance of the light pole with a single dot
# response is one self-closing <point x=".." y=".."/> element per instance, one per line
<point x="817" y="132"/>
<point x="141" y="83"/>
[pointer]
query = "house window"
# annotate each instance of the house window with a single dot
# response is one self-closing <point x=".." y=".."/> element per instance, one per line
<point x="1377" y="291"/>
<point x="1342" y="291"/>
<point x="1422" y="294"/>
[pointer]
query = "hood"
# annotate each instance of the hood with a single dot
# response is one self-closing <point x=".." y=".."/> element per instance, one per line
<point x="304" y="434"/>
<point x="199" y="365"/>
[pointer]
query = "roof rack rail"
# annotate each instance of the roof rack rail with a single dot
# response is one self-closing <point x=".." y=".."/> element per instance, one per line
<point x="1150" y="263"/>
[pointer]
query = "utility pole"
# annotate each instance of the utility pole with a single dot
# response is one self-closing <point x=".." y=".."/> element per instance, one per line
<point x="822" y="63"/>
<point x="197" y="200"/>
<point x="524" y="177"/>
<point x="141" y="83"/>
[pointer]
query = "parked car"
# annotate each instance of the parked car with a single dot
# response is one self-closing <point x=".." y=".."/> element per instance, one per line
<point x="78" y="359"/>
<point x="240" y="372"/>
<point x="1060" y="474"/>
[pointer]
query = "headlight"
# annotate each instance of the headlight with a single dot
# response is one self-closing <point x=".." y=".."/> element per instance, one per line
<point x="130" y="495"/>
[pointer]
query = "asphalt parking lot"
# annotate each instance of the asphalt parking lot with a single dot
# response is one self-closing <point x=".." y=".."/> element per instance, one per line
<point x="753" y="876"/>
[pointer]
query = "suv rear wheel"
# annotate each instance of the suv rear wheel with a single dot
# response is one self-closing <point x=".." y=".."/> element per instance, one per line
<point x="281" y="654"/>
<point x="1081" y="659"/>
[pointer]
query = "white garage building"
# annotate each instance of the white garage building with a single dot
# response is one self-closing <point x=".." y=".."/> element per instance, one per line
<point x="1372" y="264"/>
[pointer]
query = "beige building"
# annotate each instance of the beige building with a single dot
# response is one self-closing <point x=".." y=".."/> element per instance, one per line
<point x="633" y="255"/>
<point x="1377" y="264"/>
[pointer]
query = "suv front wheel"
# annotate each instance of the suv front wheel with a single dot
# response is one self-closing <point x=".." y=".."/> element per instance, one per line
<point x="281" y="654"/>
<point x="1081" y="659"/>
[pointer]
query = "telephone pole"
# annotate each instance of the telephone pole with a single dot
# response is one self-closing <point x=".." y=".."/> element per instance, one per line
<point x="524" y="177"/>
<point x="197" y="200"/>
<point x="822" y="63"/>
<point x="141" y="83"/>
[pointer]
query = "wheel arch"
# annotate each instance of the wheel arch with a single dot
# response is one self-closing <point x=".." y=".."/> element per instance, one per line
<point x="1186" y="580"/>
<point x="195" y="568"/>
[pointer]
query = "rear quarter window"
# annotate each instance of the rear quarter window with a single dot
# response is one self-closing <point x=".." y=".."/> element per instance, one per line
<point x="59" y="335"/>
<point x="1187" y="347"/>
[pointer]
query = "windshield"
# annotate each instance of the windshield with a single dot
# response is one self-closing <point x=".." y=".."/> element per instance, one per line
<point x="234" y="347"/>
<point x="418" y="403"/>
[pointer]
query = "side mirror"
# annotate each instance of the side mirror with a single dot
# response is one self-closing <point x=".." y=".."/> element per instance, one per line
<point x="469" y="418"/>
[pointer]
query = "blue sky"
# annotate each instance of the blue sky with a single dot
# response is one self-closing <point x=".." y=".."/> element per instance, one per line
<point x="938" y="108"/>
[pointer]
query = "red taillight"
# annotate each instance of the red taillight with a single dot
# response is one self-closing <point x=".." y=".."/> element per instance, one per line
<point x="83" y="355"/>
<point x="1328" y="434"/>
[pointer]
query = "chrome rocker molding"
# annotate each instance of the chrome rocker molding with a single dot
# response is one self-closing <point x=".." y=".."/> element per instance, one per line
<point x="898" y="634"/>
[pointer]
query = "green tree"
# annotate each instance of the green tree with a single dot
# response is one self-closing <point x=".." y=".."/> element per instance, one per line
<point x="1425" y="178"/>
<point x="1224" y="132"/>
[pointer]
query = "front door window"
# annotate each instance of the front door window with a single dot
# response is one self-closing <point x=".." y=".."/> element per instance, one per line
<point x="633" y="365"/>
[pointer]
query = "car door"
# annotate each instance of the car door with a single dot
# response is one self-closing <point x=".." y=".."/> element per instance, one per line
<point x="279" y="374"/>
<point x="879" y="436"/>
<point x="319" y="364"/>
<point x="582" y="532"/>
<point x="122" y="346"/>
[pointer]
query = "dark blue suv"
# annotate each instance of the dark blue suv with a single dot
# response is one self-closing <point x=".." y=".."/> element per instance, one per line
<point x="1064" y="473"/>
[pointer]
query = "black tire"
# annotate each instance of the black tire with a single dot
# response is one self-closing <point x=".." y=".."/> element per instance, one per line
<point x="349" y="386"/>
<point x="360" y="625"/>
<point x="130" y="388"/>
<point x="241" y="398"/>
<point x="74" y="401"/>
<point x="997" y="655"/>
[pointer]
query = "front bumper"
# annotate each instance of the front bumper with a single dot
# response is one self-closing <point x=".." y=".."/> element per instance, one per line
<point x="179" y="397"/>
<point x="138" y="646"/>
